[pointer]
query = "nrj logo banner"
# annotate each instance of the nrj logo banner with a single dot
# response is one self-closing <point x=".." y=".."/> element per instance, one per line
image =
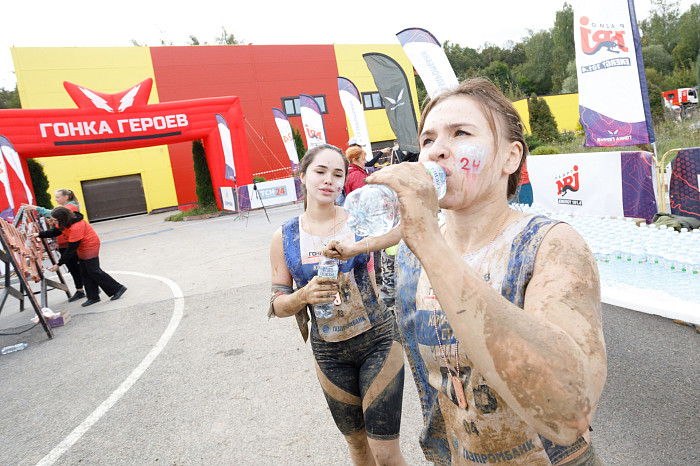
<point x="613" y="100"/>
<point x="610" y="183"/>
<point x="312" y="121"/>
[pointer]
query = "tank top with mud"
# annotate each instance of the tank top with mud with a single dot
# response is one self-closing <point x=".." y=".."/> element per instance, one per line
<point x="359" y="307"/>
<point x="488" y="431"/>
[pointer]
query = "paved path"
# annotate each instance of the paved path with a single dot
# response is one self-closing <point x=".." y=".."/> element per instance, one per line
<point x="186" y="369"/>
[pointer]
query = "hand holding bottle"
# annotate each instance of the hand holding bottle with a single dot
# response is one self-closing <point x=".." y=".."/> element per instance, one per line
<point x="416" y="195"/>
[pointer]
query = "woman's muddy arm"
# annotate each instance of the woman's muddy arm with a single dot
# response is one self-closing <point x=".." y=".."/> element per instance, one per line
<point x="548" y="360"/>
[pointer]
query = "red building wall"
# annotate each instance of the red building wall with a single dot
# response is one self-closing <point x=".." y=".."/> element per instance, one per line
<point x="260" y="75"/>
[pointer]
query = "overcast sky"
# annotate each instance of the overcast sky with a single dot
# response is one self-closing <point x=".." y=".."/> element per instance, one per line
<point x="106" y="23"/>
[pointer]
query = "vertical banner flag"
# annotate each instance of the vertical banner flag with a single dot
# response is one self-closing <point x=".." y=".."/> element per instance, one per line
<point x="285" y="130"/>
<point x="352" y="104"/>
<point x="393" y="87"/>
<point x="8" y="213"/>
<point x="225" y="135"/>
<point x="613" y="100"/>
<point x="429" y="59"/>
<point x="312" y="120"/>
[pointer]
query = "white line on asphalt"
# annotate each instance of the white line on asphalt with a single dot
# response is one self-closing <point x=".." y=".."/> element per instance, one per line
<point x="95" y="416"/>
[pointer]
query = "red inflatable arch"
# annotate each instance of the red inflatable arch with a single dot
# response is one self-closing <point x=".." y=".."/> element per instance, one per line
<point x="108" y="122"/>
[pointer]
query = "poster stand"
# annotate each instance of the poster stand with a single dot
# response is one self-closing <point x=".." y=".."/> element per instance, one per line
<point x="24" y="258"/>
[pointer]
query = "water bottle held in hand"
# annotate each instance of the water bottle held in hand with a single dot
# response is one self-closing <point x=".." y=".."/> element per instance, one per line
<point x="326" y="268"/>
<point x="374" y="209"/>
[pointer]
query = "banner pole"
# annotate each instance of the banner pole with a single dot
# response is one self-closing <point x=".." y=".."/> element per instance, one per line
<point x="660" y="179"/>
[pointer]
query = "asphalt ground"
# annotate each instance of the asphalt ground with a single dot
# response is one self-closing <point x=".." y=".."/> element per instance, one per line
<point x="186" y="369"/>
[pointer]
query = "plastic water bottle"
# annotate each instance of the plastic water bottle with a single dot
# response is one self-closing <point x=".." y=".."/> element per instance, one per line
<point x="326" y="268"/>
<point x="374" y="209"/>
<point x="13" y="348"/>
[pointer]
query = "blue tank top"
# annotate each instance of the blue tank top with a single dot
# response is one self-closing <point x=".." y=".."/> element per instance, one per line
<point x="485" y="409"/>
<point x="360" y="308"/>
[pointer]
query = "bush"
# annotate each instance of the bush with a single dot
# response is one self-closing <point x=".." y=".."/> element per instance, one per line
<point x="40" y="183"/>
<point x="202" y="176"/>
<point x="542" y="122"/>
<point x="299" y="142"/>
<point x="259" y="179"/>
<point x="545" y="150"/>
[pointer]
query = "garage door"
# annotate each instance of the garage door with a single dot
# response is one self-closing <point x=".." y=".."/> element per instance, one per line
<point x="114" y="197"/>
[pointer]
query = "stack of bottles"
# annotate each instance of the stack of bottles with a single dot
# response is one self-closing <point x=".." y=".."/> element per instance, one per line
<point x="644" y="256"/>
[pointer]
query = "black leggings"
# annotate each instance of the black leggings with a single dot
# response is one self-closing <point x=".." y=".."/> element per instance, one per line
<point x="74" y="269"/>
<point x="94" y="276"/>
<point x="362" y="379"/>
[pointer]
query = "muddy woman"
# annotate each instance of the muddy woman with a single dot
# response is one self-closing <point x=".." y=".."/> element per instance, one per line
<point x="499" y="310"/>
<point x="359" y="359"/>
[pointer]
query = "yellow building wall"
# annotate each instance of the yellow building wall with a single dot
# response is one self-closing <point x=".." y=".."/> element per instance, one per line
<point x="40" y="75"/>
<point x="352" y="66"/>
<point x="564" y="108"/>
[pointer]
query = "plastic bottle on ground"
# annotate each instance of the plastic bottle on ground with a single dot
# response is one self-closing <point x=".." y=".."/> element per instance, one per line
<point x="13" y="348"/>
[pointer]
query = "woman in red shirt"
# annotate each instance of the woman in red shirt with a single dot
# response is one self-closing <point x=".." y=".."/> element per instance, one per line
<point x="83" y="242"/>
<point x="65" y="198"/>
<point x="356" y="172"/>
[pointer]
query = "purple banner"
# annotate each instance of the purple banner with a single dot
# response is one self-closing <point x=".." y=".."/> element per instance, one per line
<point x="683" y="190"/>
<point x="243" y="199"/>
<point x="638" y="199"/>
<point x="602" y="131"/>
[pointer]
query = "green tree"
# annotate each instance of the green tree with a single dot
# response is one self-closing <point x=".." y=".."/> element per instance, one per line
<point x="661" y="26"/>
<point x="542" y="123"/>
<point x="299" y="143"/>
<point x="688" y="38"/>
<point x="202" y="176"/>
<point x="570" y="84"/>
<point x="564" y="47"/>
<point x="462" y="59"/>
<point x="681" y="77"/>
<point x="655" y="56"/>
<point x="9" y="98"/>
<point x="40" y="183"/>
<point x="499" y="74"/>
<point x="656" y="102"/>
<point x="226" y="38"/>
<point x="655" y="77"/>
<point x="537" y="69"/>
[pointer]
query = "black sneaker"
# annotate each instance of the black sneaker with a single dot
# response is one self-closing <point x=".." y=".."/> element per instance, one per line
<point x="78" y="295"/>
<point x="118" y="294"/>
<point x="90" y="302"/>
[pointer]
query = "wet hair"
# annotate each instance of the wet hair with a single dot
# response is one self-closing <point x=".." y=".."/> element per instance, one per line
<point x="355" y="154"/>
<point x="311" y="155"/>
<point x="499" y="112"/>
<point x="69" y="194"/>
<point x="64" y="217"/>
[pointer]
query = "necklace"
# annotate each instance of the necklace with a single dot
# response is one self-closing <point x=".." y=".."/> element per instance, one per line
<point x="456" y="382"/>
<point x="337" y="301"/>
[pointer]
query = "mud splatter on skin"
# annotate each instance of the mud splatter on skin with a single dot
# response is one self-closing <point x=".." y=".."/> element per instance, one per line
<point x="541" y="365"/>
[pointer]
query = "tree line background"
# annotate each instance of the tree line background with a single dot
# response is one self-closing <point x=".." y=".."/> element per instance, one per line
<point x="543" y="62"/>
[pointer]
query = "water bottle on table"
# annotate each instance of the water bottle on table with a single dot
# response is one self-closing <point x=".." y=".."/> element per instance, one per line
<point x="373" y="210"/>
<point x="326" y="268"/>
